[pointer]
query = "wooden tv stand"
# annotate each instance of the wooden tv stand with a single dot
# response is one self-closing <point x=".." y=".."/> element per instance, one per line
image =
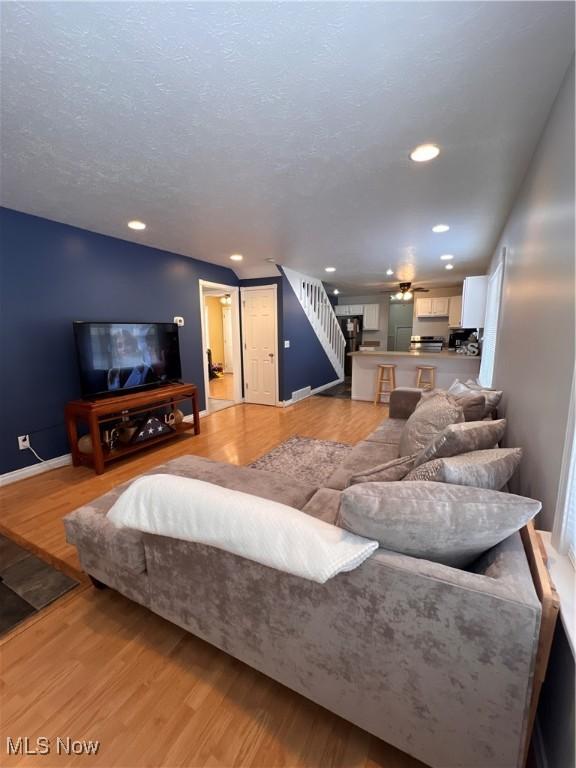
<point x="98" y="413"/>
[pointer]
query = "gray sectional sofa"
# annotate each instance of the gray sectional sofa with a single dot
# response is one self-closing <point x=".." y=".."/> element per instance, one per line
<point x="435" y="660"/>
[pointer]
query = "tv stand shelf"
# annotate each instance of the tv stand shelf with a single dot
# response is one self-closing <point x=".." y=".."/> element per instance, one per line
<point x="97" y="413"/>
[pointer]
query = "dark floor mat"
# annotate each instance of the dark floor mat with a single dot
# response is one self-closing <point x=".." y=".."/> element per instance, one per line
<point x="27" y="583"/>
<point x="343" y="390"/>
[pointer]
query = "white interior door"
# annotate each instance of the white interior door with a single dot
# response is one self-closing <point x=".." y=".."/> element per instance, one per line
<point x="227" y="336"/>
<point x="260" y="345"/>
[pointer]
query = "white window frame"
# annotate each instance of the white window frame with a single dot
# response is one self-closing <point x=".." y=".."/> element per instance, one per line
<point x="491" y="321"/>
<point x="564" y="533"/>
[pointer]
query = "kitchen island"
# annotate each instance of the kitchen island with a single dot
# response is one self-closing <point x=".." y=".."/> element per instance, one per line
<point x="449" y="366"/>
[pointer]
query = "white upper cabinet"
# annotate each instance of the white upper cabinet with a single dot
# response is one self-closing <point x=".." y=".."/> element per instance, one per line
<point x="341" y="309"/>
<point x="474" y="302"/>
<point x="455" y="316"/>
<point x="423" y="307"/>
<point x="356" y="309"/>
<point x="434" y="307"/>
<point x="371" y="317"/>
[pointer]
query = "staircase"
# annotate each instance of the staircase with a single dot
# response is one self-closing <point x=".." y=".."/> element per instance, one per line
<point x="316" y="305"/>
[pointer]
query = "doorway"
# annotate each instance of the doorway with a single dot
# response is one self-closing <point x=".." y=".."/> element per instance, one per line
<point x="260" y="337"/>
<point x="221" y="350"/>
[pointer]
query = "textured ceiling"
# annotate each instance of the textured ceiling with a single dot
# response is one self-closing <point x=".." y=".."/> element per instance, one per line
<point x="281" y="130"/>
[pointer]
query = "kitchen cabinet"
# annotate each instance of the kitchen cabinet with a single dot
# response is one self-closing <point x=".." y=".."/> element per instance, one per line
<point x="343" y="310"/>
<point x="455" y="315"/>
<point x="434" y="307"/>
<point x="474" y="302"/>
<point x="371" y="314"/>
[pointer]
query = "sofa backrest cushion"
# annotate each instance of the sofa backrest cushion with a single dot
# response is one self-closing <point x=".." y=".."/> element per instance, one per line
<point x="473" y="403"/>
<point x="449" y="524"/>
<point x="431" y="416"/>
<point x="490" y="469"/>
<point x="465" y="437"/>
<point x="397" y="469"/>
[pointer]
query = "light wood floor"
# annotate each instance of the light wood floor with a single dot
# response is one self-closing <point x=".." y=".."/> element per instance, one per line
<point x="222" y="388"/>
<point x="97" y="666"/>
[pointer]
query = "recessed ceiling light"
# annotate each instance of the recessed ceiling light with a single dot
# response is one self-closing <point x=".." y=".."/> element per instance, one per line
<point x="135" y="224"/>
<point x="424" y="152"/>
<point x="236" y="257"/>
<point x="335" y="291"/>
<point x="440" y="228"/>
<point x="271" y="261"/>
<point x="389" y="272"/>
<point x="447" y="257"/>
<point x="329" y="269"/>
<point x="449" y="266"/>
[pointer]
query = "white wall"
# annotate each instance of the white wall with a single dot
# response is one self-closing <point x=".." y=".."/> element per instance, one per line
<point x="535" y="348"/>
<point x="434" y="326"/>
<point x="382" y="299"/>
<point x="535" y="363"/>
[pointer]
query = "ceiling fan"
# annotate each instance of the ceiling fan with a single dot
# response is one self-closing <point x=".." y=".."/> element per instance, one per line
<point x="406" y="291"/>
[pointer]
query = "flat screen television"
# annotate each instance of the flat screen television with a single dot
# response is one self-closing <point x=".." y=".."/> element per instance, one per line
<point x="119" y="358"/>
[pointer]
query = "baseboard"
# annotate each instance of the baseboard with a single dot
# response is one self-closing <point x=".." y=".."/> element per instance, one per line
<point x="35" y="469"/>
<point x="538" y="750"/>
<point x="286" y="403"/>
<point x="190" y="417"/>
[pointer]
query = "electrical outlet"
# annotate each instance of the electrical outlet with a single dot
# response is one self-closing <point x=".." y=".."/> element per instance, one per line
<point x="23" y="442"/>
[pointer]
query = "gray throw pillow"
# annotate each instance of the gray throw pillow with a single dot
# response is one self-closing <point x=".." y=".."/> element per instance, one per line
<point x="462" y="438"/>
<point x="493" y="396"/>
<point x="394" y="470"/>
<point x="432" y="415"/>
<point x="473" y="403"/>
<point x="490" y="469"/>
<point x="449" y="524"/>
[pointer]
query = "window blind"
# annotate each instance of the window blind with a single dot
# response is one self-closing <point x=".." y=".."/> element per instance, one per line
<point x="493" y="296"/>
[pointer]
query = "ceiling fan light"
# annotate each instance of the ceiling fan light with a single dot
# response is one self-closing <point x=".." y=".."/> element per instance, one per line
<point x="399" y="295"/>
<point x="407" y="296"/>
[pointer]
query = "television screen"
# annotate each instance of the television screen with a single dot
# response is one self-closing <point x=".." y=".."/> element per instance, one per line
<point x="115" y="358"/>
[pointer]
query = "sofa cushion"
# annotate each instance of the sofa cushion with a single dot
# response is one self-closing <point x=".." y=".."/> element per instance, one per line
<point x="389" y="432"/>
<point x="325" y="505"/>
<point x="363" y="456"/>
<point x="397" y="469"/>
<point x="462" y="438"/>
<point x="431" y="416"/>
<point x="449" y="524"/>
<point x="483" y="469"/>
<point x="258" y="482"/>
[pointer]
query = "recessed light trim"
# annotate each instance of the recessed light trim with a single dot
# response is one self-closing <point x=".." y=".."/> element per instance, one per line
<point x="336" y="292"/>
<point x="424" y="152"/>
<point x="329" y="269"/>
<point x="439" y="228"/>
<point x="449" y="266"/>
<point x="236" y="257"/>
<point x="389" y="272"/>
<point x="137" y="225"/>
<point x="447" y="257"/>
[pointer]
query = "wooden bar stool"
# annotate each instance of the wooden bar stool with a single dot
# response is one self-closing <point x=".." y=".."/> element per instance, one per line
<point x="385" y="381"/>
<point x="426" y="376"/>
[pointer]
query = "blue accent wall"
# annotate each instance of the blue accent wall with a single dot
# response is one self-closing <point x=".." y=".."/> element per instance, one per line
<point x="305" y="363"/>
<point x="53" y="274"/>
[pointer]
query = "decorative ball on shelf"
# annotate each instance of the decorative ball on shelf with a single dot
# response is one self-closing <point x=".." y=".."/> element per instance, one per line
<point x="85" y="444"/>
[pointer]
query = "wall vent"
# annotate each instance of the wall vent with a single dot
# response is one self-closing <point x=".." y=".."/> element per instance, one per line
<point x="300" y="394"/>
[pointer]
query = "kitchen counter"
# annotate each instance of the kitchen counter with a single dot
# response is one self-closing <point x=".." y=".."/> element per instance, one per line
<point x="449" y="366"/>
<point x="384" y="353"/>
